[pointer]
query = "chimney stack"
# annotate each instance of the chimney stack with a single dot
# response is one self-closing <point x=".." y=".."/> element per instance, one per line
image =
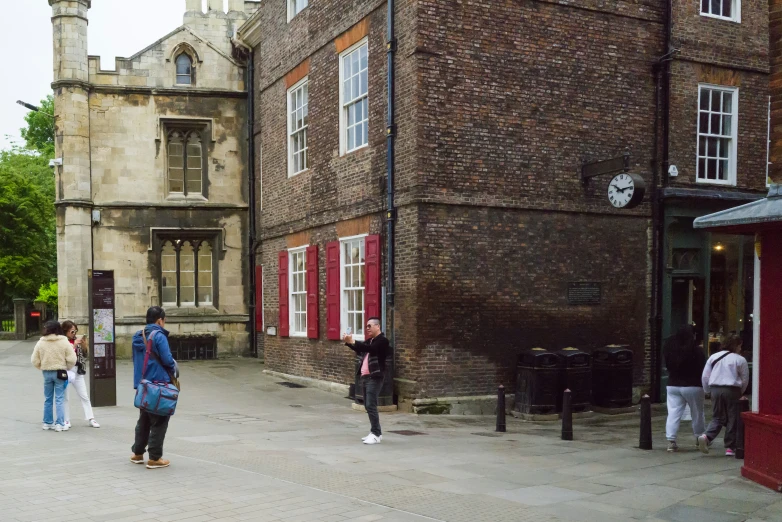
<point x="193" y="5"/>
<point x="236" y="6"/>
<point x="215" y="5"/>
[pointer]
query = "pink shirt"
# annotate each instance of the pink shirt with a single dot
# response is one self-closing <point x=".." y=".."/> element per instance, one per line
<point x="365" y="365"/>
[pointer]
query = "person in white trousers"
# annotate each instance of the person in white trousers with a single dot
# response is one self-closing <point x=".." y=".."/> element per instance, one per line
<point x="684" y="361"/>
<point x="75" y="379"/>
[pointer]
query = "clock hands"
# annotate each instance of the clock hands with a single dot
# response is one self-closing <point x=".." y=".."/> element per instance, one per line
<point x="621" y="189"/>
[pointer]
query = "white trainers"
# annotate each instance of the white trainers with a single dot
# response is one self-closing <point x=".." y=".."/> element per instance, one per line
<point x="94" y="423"/>
<point x="703" y="444"/>
<point x="61" y="428"/>
<point x="372" y="439"/>
<point x="47" y="426"/>
<point x="68" y="423"/>
<point x="371" y="435"/>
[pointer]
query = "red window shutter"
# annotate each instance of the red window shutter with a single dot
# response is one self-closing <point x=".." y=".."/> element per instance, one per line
<point x="332" y="291"/>
<point x="282" y="275"/>
<point x="372" y="273"/>
<point x="258" y="298"/>
<point x="312" y="292"/>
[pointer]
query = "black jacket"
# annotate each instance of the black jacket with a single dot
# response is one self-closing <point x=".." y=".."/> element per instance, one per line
<point x="377" y="346"/>
<point x="685" y="366"/>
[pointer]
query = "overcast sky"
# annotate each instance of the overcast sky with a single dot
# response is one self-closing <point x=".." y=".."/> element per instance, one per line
<point x="117" y="28"/>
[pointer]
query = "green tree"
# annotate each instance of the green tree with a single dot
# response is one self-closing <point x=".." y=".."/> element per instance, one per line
<point x="28" y="248"/>
<point x="39" y="132"/>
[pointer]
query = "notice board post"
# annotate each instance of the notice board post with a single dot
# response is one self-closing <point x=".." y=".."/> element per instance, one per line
<point x="103" y="359"/>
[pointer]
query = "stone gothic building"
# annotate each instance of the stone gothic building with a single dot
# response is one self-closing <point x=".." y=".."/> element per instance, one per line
<point x="153" y="177"/>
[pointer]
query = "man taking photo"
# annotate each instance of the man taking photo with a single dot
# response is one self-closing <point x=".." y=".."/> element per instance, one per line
<point x="372" y="352"/>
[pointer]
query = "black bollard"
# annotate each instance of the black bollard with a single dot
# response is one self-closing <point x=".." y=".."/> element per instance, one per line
<point x="567" y="415"/>
<point x="645" y="441"/>
<point x="743" y="406"/>
<point x="501" y="409"/>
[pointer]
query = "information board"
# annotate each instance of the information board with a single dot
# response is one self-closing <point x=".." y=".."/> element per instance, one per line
<point x="584" y="293"/>
<point x="102" y="325"/>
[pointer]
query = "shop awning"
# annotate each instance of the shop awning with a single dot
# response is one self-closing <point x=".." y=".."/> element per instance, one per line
<point x="766" y="213"/>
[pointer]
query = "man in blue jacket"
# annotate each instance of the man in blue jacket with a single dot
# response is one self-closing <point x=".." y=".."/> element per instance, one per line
<point x="151" y="429"/>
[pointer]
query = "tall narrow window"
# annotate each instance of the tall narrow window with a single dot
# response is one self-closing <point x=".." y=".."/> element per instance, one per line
<point x="298" y="120"/>
<point x="187" y="274"/>
<point x="185" y="163"/>
<point x="717" y="129"/>
<point x="205" y="273"/>
<point x="295" y="7"/>
<point x="353" y="262"/>
<point x="354" y="119"/>
<point x="298" y="292"/>
<point x="169" y="277"/>
<point x="184" y="70"/>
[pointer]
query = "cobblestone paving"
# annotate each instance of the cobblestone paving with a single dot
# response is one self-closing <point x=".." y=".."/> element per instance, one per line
<point x="243" y="447"/>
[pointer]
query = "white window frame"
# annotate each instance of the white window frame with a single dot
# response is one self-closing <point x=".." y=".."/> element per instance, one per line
<point x="343" y="301"/>
<point x="735" y="9"/>
<point x="343" y="104"/>
<point x="293" y="4"/>
<point x="292" y="311"/>
<point x="731" y="181"/>
<point x="291" y="131"/>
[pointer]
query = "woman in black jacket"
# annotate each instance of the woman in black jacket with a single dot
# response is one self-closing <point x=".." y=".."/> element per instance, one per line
<point x="685" y="362"/>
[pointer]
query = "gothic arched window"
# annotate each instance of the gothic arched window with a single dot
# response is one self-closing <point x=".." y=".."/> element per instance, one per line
<point x="187" y="270"/>
<point x="185" y="163"/>
<point x="184" y="69"/>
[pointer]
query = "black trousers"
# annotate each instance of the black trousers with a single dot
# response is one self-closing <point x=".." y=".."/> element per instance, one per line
<point x="371" y="393"/>
<point x="150" y="429"/>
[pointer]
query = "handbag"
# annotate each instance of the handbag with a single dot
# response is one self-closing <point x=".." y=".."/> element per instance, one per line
<point x="157" y="398"/>
<point x="62" y="375"/>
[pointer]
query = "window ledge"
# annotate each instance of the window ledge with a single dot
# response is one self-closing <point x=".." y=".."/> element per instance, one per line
<point x="299" y="172"/>
<point x="716" y="182"/>
<point x="181" y="311"/>
<point x="724" y="18"/>
<point x="298" y="335"/>
<point x="353" y="151"/>
<point x="187" y="199"/>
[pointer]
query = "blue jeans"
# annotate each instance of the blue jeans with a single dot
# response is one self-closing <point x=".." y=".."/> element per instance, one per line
<point x="53" y="388"/>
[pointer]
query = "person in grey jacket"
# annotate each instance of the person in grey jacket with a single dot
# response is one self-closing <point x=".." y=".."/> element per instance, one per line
<point x="726" y="377"/>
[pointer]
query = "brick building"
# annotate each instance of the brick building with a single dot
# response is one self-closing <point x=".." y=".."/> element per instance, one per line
<point x="718" y="141"/>
<point x="497" y="107"/>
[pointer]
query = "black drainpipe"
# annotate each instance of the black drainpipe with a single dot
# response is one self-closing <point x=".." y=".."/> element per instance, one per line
<point x="390" y="210"/>
<point x="663" y="97"/>
<point x="251" y="167"/>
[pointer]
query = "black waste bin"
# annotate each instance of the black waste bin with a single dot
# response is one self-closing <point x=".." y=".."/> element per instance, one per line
<point x="575" y="374"/>
<point x="612" y="376"/>
<point x="537" y="374"/>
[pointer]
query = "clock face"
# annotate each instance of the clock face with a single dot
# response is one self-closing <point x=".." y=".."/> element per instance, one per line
<point x="621" y="190"/>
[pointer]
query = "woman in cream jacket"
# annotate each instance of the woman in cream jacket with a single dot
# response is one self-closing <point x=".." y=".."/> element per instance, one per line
<point x="53" y="353"/>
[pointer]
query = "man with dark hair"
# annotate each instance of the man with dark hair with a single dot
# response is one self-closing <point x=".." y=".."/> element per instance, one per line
<point x="372" y="352"/>
<point x="160" y="365"/>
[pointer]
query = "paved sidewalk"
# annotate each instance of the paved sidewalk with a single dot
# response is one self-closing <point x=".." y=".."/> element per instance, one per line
<point x="245" y="448"/>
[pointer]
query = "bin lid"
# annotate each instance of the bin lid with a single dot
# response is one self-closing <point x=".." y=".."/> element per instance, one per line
<point x="620" y="353"/>
<point x="538" y="358"/>
<point x="572" y="358"/>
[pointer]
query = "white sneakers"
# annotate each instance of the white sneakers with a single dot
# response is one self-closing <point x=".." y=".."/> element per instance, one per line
<point x="94" y="423"/>
<point x="372" y="439"/>
<point x="703" y="444"/>
<point x="62" y="428"/>
<point x="68" y="423"/>
<point x="47" y="426"/>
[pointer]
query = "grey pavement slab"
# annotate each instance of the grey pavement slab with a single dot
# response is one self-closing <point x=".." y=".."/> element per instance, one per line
<point x="240" y="451"/>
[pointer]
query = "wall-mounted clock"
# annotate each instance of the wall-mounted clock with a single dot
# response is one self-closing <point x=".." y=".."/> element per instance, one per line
<point x="626" y="190"/>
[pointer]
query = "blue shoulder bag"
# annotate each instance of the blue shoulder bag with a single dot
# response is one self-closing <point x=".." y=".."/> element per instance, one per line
<point x="157" y="398"/>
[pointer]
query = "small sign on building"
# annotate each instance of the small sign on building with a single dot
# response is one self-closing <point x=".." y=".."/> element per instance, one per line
<point x="584" y="293"/>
